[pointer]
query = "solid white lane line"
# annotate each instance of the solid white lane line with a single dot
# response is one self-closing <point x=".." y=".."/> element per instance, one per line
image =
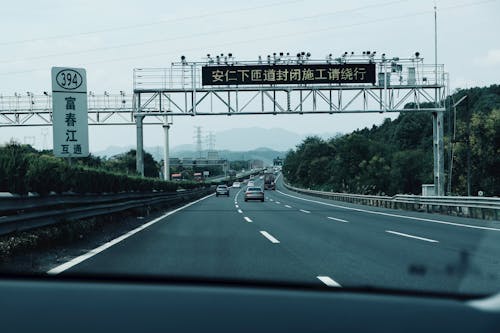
<point x="236" y="196"/>
<point x="269" y="237"/>
<point x="247" y="219"/>
<point x="240" y="211"/>
<point x="91" y="253"/>
<point x="304" y="211"/>
<point x="335" y="219"/>
<point x="392" y="215"/>
<point x="411" y="236"/>
<point x="328" y="281"/>
<point x="287" y="206"/>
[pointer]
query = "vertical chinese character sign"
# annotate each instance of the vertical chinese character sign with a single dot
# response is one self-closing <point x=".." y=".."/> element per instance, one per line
<point x="69" y="112"/>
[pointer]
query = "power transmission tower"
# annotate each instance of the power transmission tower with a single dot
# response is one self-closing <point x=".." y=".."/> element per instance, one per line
<point x="198" y="141"/>
<point x="211" y="141"/>
<point x="45" y="133"/>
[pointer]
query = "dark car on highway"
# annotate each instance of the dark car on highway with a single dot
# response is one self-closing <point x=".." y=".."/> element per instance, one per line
<point x="254" y="193"/>
<point x="222" y="190"/>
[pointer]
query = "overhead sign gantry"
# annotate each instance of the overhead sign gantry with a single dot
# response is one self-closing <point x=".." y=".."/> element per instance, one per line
<point x="285" y="84"/>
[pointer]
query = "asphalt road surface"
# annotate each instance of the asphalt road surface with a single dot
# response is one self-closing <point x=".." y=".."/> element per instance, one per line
<point x="304" y="239"/>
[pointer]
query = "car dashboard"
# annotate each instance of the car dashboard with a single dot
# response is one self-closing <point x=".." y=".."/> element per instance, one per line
<point x="82" y="305"/>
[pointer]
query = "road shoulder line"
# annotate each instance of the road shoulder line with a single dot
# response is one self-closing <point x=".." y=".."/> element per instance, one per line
<point x="412" y="236"/>
<point x="75" y="261"/>
<point x="392" y="215"/>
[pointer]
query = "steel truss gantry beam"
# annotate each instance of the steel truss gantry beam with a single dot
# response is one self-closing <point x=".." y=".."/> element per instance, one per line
<point x="290" y="100"/>
<point x="103" y="109"/>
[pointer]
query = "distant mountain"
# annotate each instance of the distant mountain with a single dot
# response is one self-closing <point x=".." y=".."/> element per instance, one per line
<point x="251" y="138"/>
<point x="234" y="144"/>
<point x="113" y="150"/>
<point x="185" y="147"/>
<point x="265" y="154"/>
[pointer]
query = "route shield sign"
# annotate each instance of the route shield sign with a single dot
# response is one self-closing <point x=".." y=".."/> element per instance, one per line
<point x="70" y="112"/>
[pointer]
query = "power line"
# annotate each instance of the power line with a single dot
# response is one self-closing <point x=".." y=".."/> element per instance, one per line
<point x="206" y="33"/>
<point x="142" y="25"/>
<point x="287" y="35"/>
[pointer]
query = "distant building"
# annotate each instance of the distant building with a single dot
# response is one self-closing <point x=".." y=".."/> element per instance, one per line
<point x="176" y="176"/>
<point x="256" y="164"/>
<point x="213" y="155"/>
<point x="277" y="161"/>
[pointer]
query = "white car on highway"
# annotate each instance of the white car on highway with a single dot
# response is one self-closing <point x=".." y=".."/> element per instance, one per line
<point x="236" y="184"/>
<point x="254" y="193"/>
<point x="251" y="183"/>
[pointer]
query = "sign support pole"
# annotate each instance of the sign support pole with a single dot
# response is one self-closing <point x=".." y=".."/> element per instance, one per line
<point x="140" y="145"/>
<point x="166" y="155"/>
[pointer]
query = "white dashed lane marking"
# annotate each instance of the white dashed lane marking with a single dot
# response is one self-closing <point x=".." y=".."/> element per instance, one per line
<point x="336" y="219"/>
<point x="328" y="281"/>
<point x="269" y="237"/>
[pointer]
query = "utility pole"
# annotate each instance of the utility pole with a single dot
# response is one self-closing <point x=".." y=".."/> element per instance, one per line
<point x="467" y="139"/>
<point x="468" y="147"/>
<point x="437" y="125"/>
<point x="450" y="144"/>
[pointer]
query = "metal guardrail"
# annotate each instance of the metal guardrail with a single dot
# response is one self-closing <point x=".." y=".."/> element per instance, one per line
<point x="20" y="214"/>
<point x="486" y="208"/>
<point x="238" y="176"/>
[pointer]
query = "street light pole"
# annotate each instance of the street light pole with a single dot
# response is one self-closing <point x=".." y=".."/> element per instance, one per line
<point x="466" y="98"/>
<point x="468" y="148"/>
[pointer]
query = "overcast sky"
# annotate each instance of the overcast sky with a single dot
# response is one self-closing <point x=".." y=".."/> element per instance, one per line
<point x="110" y="38"/>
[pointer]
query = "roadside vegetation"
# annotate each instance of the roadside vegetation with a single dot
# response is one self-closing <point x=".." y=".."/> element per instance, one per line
<point x="24" y="169"/>
<point x="396" y="157"/>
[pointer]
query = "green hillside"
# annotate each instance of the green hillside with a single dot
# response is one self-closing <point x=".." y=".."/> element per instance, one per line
<point x="396" y="157"/>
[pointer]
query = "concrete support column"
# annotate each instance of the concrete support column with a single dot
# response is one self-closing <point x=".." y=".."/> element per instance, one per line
<point x="140" y="145"/>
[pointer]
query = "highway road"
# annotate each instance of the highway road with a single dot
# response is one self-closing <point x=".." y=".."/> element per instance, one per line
<point x="303" y="239"/>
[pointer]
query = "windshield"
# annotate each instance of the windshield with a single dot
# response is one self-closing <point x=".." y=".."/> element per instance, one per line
<point x="372" y="128"/>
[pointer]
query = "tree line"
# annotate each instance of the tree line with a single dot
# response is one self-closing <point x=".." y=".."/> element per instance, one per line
<point x="23" y="169"/>
<point x="396" y="156"/>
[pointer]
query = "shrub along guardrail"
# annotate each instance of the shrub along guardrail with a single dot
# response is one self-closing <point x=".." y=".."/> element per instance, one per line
<point x="21" y="173"/>
<point x="475" y="207"/>
<point x="21" y="213"/>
